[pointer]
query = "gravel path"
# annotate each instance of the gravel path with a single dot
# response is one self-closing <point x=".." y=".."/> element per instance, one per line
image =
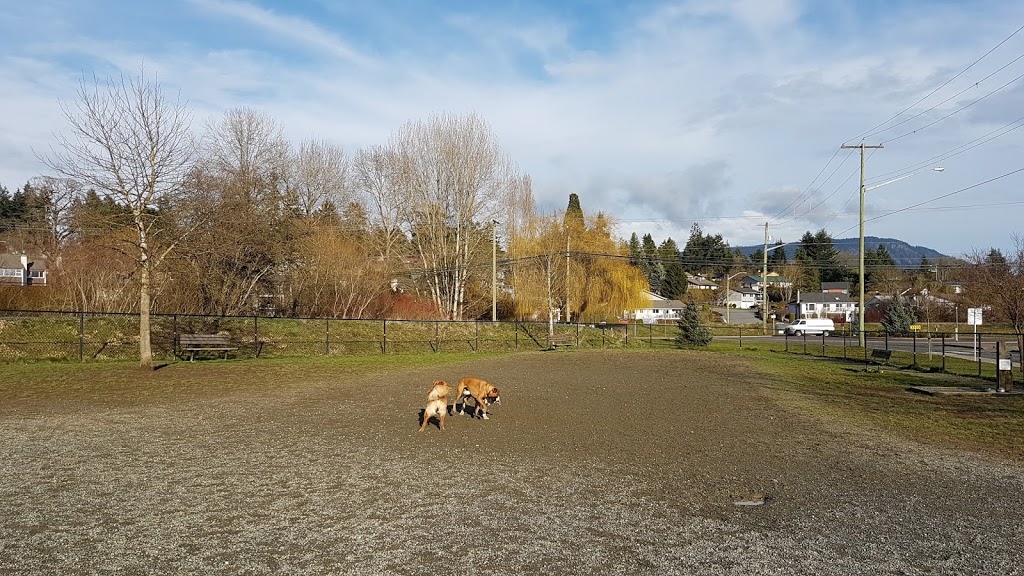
<point x="594" y="463"/>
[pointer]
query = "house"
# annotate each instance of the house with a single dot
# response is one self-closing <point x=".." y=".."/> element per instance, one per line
<point x="20" y="270"/>
<point x="823" y="305"/>
<point x="773" y="279"/>
<point x="835" y="287"/>
<point x="658" y="309"/>
<point x="742" y="298"/>
<point x="694" y="282"/>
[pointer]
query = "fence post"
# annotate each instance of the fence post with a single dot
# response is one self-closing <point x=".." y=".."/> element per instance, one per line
<point x="384" y="342"/>
<point x="476" y="347"/>
<point x="844" y="344"/>
<point x="943" y="351"/>
<point x="886" y="339"/>
<point x="787" y="342"/>
<point x="516" y="322"/>
<point x="81" y="336"/>
<point x="977" y="346"/>
<point x="577" y="334"/>
<point x="823" y="344"/>
<point x="805" y="342"/>
<point x="437" y="337"/>
<point x="256" y="336"/>
<point x="741" y="337"/>
<point x="650" y="335"/>
<point x="327" y="341"/>
<point x="914" y="347"/>
<point x="602" y="336"/>
<point x="866" y="349"/>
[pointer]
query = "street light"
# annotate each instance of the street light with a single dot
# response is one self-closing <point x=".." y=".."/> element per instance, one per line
<point x="727" y="278"/>
<point x="860" y="304"/>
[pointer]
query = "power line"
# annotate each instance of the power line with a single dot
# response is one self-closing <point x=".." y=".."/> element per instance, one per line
<point x="971" y="187"/>
<point x="957" y="111"/>
<point x="943" y="85"/>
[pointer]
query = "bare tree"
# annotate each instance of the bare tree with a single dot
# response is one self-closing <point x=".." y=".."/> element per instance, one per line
<point x="318" y="178"/>
<point x="127" y="140"/>
<point x="248" y="150"/>
<point x="457" y="181"/>
<point x="996" y="282"/>
<point x="377" y="177"/>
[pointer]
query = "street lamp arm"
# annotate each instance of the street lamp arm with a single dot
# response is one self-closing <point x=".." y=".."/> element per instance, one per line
<point x="880" y="184"/>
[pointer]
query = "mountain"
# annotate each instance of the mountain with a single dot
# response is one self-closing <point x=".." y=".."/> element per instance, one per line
<point x="905" y="255"/>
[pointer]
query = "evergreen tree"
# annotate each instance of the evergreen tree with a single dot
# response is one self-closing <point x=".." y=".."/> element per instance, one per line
<point x="636" y="255"/>
<point x="706" y="254"/>
<point x="655" y="271"/>
<point x="674" y="282"/>
<point x="574" y="220"/>
<point x="777" y="258"/>
<point x="691" y="333"/>
<point x="899" y="316"/>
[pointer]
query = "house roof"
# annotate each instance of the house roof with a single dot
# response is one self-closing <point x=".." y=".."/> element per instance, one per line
<point x="13" y="262"/>
<point x="822" y="297"/>
<point x="663" y="303"/>
<point x="772" y="278"/>
<point x="745" y="291"/>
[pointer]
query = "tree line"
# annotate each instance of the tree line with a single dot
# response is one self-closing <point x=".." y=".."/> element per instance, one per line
<point x="144" y="211"/>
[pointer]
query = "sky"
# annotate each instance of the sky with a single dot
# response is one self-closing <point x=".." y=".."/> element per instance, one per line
<point x="724" y="113"/>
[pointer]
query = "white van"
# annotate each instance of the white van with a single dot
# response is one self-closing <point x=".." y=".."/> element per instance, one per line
<point x="811" y="326"/>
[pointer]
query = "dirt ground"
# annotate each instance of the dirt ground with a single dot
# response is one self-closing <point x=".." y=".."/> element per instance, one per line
<point x="594" y="463"/>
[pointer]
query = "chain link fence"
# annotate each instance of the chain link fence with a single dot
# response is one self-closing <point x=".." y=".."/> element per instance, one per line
<point x="86" y="337"/>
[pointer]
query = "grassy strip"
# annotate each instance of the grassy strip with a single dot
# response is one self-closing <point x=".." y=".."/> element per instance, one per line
<point x="842" y="391"/>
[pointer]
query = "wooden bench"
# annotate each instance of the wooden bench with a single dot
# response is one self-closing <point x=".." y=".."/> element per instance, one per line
<point x="879" y="356"/>
<point x="193" y="343"/>
<point x="559" y="340"/>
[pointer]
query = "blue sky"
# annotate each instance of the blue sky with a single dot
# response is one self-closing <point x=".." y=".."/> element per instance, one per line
<point x="720" y="112"/>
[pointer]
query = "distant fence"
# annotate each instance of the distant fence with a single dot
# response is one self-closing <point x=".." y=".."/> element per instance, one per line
<point x="40" y="335"/>
<point x="33" y="335"/>
<point x="966" y="354"/>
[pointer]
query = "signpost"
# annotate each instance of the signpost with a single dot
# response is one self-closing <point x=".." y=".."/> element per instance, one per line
<point x="974" y="319"/>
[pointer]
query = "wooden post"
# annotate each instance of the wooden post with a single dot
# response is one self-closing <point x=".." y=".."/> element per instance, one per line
<point x="81" y="336"/>
<point x="327" y="341"/>
<point x="384" y="342"/>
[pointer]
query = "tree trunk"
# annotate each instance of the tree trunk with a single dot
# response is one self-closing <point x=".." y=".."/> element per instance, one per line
<point x="145" y="345"/>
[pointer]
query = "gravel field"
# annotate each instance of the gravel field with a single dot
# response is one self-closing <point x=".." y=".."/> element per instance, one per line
<point x="594" y="463"/>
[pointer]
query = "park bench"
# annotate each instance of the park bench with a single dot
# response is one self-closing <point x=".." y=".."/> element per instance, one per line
<point x="879" y="356"/>
<point x="557" y="341"/>
<point x="193" y="343"/>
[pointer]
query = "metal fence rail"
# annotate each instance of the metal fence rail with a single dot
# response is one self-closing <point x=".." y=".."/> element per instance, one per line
<point x="970" y="354"/>
<point x="33" y="335"/>
<point x="41" y="335"/>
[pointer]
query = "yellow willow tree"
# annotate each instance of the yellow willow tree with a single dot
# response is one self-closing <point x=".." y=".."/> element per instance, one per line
<point x="538" y="283"/>
<point x="610" y="285"/>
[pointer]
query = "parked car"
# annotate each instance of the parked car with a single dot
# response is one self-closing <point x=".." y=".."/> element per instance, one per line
<point x="810" y="326"/>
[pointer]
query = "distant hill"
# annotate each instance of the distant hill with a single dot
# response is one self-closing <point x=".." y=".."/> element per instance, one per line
<point x="904" y="254"/>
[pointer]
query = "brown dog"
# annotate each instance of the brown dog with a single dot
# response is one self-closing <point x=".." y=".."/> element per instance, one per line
<point x="482" y="392"/>
<point x="437" y="404"/>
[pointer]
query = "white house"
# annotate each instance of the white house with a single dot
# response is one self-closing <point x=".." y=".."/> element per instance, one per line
<point x="22" y="271"/>
<point x="823" y="305"/>
<point x="658" y="309"/>
<point x="743" y="298"/>
<point x="694" y="282"/>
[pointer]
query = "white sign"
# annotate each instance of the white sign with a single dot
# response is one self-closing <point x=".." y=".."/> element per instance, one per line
<point x="974" y="316"/>
<point x="1005" y="365"/>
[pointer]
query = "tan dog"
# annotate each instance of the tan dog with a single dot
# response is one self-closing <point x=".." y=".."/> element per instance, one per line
<point x="437" y="404"/>
<point x="481" y="391"/>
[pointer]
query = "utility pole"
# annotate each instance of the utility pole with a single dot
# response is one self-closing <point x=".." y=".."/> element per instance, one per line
<point x="764" y="284"/>
<point x="494" y="271"/>
<point x="568" y="314"/>
<point x="860" y="304"/>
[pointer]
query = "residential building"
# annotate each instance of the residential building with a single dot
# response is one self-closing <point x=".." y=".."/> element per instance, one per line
<point x="658" y="309"/>
<point x="837" y="306"/>
<point x="835" y="287"/>
<point x="694" y="282"/>
<point x="742" y="298"/>
<point x="21" y="270"/>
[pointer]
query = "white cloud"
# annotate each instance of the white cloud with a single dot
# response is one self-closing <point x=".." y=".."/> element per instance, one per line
<point x="720" y="112"/>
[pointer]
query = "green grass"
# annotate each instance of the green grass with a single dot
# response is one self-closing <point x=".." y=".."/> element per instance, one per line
<point x="842" y="391"/>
